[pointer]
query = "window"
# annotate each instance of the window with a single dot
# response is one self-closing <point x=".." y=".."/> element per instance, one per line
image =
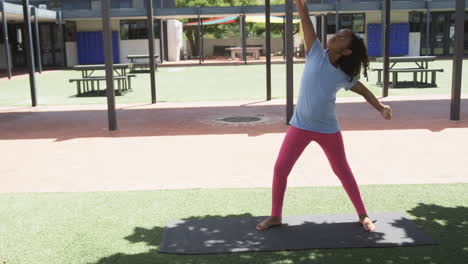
<point x="355" y="22"/>
<point x="162" y="3"/>
<point x="417" y="21"/>
<point x="70" y="31"/>
<point x="77" y="4"/>
<point x="136" y="29"/>
<point x="1" y="34"/>
<point x="359" y="23"/>
<point x="121" y="4"/>
<point x="331" y="24"/>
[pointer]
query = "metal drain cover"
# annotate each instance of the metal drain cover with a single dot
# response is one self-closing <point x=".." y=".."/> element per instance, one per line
<point x="240" y="119"/>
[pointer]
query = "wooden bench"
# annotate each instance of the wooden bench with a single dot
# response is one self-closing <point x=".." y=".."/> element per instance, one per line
<point x="255" y="50"/>
<point x="415" y="71"/>
<point x="121" y="83"/>
<point x="142" y="65"/>
<point x="222" y="50"/>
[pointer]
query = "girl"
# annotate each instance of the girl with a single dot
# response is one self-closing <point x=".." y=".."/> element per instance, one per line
<point x="314" y="119"/>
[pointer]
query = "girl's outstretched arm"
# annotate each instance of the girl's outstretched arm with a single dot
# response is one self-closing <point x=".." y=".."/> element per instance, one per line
<point x="307" y="26"/>
<point x="384" y="110"/>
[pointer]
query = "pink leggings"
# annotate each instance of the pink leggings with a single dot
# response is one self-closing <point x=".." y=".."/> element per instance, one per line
<point x="295" y="142"/>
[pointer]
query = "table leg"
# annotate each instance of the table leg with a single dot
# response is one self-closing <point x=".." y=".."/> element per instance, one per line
<point x="379" y="78"/>
<point x="78" y="87"/>
<point x="118" y="85"/>
<point x="415" y="78"/>
<point x="427" y="66"/>
<point x="85" y="75"/>
<point x="434" y="79"/>
<point x="395" y="79"/>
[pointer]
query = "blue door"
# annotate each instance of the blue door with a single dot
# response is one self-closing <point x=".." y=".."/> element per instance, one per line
<point x="399" y="39"/>
<point x="91" y="50"/>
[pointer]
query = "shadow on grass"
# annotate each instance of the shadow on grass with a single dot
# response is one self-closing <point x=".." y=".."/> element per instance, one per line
<point x="446" y="225"/>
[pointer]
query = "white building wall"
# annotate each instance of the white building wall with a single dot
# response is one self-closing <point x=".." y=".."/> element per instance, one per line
<point x="136" y="47"/>
<point x="72" y="54"/>
<point x="174" y="39"/>
<point x="414" y="44"/>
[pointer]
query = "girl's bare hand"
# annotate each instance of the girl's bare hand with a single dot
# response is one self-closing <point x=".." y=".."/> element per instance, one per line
<point x="386" y="112"/>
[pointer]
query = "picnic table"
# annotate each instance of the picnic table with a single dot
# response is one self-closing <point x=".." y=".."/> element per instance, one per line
<point x="254" y="50"/>
<point x="422" y="66"/>
<point x="88" y="80"/>
<point x="133" y="59"/>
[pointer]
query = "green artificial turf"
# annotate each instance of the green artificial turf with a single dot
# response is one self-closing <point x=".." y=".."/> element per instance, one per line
<point x="126" y="227"/>
<point x="200" y="83"/>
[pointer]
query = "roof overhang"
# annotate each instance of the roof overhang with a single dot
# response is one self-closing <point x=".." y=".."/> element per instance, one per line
<point x="14" y="13"/>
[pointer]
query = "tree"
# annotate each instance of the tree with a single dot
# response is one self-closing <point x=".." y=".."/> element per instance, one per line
<point x="219" y="31"/>
<point x="227" y="30"/>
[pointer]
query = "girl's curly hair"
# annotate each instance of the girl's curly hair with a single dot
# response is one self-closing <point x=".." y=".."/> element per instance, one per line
<point x="357" y="61"/>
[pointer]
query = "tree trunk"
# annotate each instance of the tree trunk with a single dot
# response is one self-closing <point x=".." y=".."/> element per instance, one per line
<point x="192" y="36"/>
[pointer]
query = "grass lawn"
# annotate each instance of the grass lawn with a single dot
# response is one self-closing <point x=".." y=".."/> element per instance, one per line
<point x="206" y="83"/>
<point x="126" y="227"/>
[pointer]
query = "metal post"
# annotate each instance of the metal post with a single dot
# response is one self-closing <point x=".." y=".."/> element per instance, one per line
<point x="268" y="48"/>
<point x="150" y="26"/>
<point x="324" y="31"/>
<point x="199" y="37"/>
<point x="244" y="39"/>
<point x="38" y="41"/>
<point x="162" y="50"/>
<point x="428" y="26"/>
<point x="6" y="40"/>
<point x="61" y="39"/>
<point x="29" y="50"/>
<point x="289" y="61"/>
<point x="202" y="43"/>
<point x="108" y="57"/>
<point x="337" y="16"/>
<point x="458" y="60"/>
<point x="386" y="51"/>
<point x="283" y="34"/>
<point x="161" y="41"/>
<point x="382" y="22"/>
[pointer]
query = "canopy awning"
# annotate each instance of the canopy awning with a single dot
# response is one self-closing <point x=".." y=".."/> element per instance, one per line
<point x="214" y="21"/>
<point x="273" y="19"/>
<point x="233" y="19"/>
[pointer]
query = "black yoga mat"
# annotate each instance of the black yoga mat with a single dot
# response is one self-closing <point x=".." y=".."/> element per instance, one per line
<point x="238" y="234"/>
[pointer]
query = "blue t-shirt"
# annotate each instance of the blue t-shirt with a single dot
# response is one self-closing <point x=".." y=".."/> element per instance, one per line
<point x="315" y="109"/>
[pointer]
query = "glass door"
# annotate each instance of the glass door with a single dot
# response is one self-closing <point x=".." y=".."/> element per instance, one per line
<point x="443" y="32"/>
<point x="18" y="51"/>
<point x="50" y="46"/>
<point x="438" y="33"/>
